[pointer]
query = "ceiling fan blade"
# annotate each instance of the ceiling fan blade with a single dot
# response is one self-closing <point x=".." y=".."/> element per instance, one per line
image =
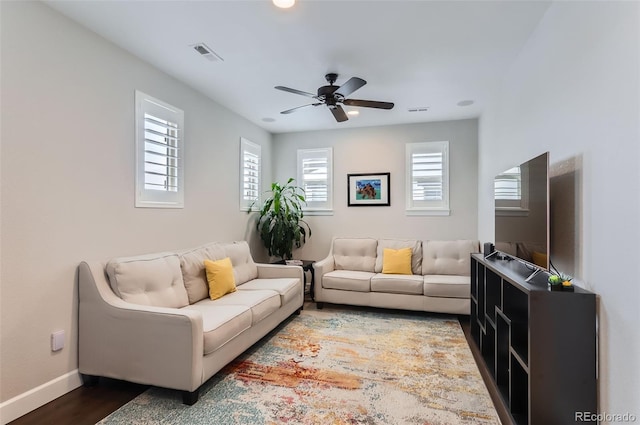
<point x="350" y="86"/>
<point x="288" y="111"/>
<point x="294" y="91"/>
<point x="339" y="114"/>
<point x="368" y="103"/>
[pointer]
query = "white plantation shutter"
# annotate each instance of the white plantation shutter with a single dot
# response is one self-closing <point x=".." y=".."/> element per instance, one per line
<point x="510" y="192"/>
<point x="427" y="178"/>
<point x="250" y="173"/>
<point x="315" y="171"/>
<point x="508" y="185"/>
<point x="159" y="153"/>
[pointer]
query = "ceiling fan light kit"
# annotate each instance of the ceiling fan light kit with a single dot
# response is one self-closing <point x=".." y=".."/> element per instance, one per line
<point x="335" y="96"/>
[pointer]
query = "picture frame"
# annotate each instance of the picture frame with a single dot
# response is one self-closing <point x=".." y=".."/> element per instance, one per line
<point x="368" y="190"/>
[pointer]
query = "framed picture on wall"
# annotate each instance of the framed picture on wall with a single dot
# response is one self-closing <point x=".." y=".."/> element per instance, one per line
<point x="368" y="190"/>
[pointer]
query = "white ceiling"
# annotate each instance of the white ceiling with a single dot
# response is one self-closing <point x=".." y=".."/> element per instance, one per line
<point x="412" y="53"/>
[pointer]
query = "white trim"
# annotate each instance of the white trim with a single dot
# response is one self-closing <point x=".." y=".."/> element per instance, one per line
<point x="145" y="198"/>
<point x="426" y="207"/>
<point x="512" y="212"/>
<point x="317" y="212"/>
<point x="430" y="211"/>
<point x="28" y="401"/>
<point x="247" y="145"/>
<point x="316" y="207"/>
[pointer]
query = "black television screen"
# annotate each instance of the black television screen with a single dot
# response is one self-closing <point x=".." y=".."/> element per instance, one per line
<point x="522" y="211"/>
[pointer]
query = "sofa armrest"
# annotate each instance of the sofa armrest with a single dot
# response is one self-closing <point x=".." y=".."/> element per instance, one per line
<point x="324" y="266"/>
<point x="271" y="271"/>
<point x="137" y="343"/>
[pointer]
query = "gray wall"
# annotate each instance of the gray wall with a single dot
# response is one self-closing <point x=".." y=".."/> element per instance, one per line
<point x="67" y="175"/>
<point x="575" y="92"/>
<point x="382" y="149"/>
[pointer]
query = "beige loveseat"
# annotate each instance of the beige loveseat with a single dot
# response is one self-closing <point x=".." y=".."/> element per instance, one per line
<point x="149" y="319"/>
<point x="440" y="282"/>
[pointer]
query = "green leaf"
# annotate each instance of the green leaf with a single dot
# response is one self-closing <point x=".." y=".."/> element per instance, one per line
<point x="280" y="225"/>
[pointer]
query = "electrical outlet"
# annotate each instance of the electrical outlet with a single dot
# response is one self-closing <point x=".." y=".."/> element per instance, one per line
<point x="57" y="341"/>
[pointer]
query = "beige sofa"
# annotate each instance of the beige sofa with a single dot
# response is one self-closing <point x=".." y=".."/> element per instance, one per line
<point x="148" y="319"/>
<point x="440" y="282"/>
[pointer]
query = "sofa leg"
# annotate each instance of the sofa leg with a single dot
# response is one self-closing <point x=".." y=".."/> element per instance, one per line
<point x="190" y="397"/>
<point x="320" y="305"/>
<point x="297" y="312"/>
<point x="89" y="380"/>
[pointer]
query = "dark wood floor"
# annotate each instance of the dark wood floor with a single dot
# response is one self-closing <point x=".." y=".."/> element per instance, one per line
<point x="84" y="405"/>
<point x="88" y="405"/>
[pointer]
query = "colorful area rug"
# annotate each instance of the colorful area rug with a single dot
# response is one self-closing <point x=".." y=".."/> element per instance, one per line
<point x="337" y="366"/>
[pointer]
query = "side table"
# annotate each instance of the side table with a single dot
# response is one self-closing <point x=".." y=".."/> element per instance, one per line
<point x="307" y="266"/>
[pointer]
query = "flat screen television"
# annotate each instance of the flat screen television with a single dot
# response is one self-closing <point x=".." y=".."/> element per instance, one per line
<point x="521" y="197"/>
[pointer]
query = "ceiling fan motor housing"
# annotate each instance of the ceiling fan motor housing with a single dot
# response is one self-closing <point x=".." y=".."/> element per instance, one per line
<point x="326" y="93"/>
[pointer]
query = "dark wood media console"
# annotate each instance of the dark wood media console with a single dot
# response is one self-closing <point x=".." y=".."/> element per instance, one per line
<point x="539" y="345"/>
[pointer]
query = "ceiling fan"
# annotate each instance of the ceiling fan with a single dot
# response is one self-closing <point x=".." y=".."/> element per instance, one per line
<point x="335" y="96"/>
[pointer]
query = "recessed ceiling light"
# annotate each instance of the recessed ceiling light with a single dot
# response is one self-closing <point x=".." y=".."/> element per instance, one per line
<point x="353" y="112"/>
<point x="284" y="4"/>
<point x="268" y="119"/>
<point x="465" y="102"/>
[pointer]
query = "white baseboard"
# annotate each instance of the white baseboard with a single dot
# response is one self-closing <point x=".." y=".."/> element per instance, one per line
<point x="26" y="402"/>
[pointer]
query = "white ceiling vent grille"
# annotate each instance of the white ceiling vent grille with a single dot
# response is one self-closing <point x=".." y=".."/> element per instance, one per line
<point x="206" y="52"/>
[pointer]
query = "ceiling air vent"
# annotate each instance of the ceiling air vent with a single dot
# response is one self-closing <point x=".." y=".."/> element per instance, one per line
<point x="419" y="109"/>
<point x="206" y="52"/>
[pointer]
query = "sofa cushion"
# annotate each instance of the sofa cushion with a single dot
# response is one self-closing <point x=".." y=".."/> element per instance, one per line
<point x="416" y="253"/>
<point x="288" y="288"/>
<point x="221" y="323"/>
<point x="358" y="254"/>
<point x="244" y="268"/>
<point x="348" y="280"/>
<point x="193" y="272"/>
<point x="398" y="283"/>
<point x="447" y="286"/>
<point x="262" y="302"/>
<point x="220" y="277"/>
<point x="153" y="279"/>
<point x="448" y="257"/>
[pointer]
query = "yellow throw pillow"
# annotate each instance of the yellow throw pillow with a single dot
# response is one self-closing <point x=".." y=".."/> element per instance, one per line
<point x="396" y="261"/>
<point x="539" y="259"/>
<point x="220" y="277"/>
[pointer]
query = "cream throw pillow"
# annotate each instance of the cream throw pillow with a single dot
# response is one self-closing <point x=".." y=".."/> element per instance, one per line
<point x="396" y="261"/>
<point x="220" y="277"/>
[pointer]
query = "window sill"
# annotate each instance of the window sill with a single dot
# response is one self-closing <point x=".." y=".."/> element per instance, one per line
<point x="317" y="212"/>
<point x="153" y="204"/>
<point x="512" y="212"/>
<point x="431" y="212"/>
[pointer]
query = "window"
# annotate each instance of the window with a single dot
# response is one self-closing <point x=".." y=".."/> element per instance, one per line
<point x="511" y="192"/>
<point x="427" y="183"/>
<point x="508" y="187"/>
<point x="250" y="173"/>
<point x="159" y="153"/>
<point x="315" y="176"/>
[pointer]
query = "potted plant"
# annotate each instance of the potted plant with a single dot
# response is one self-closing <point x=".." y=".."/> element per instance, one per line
<point x="280" y="223"/>
<point x="560" y="282"/>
